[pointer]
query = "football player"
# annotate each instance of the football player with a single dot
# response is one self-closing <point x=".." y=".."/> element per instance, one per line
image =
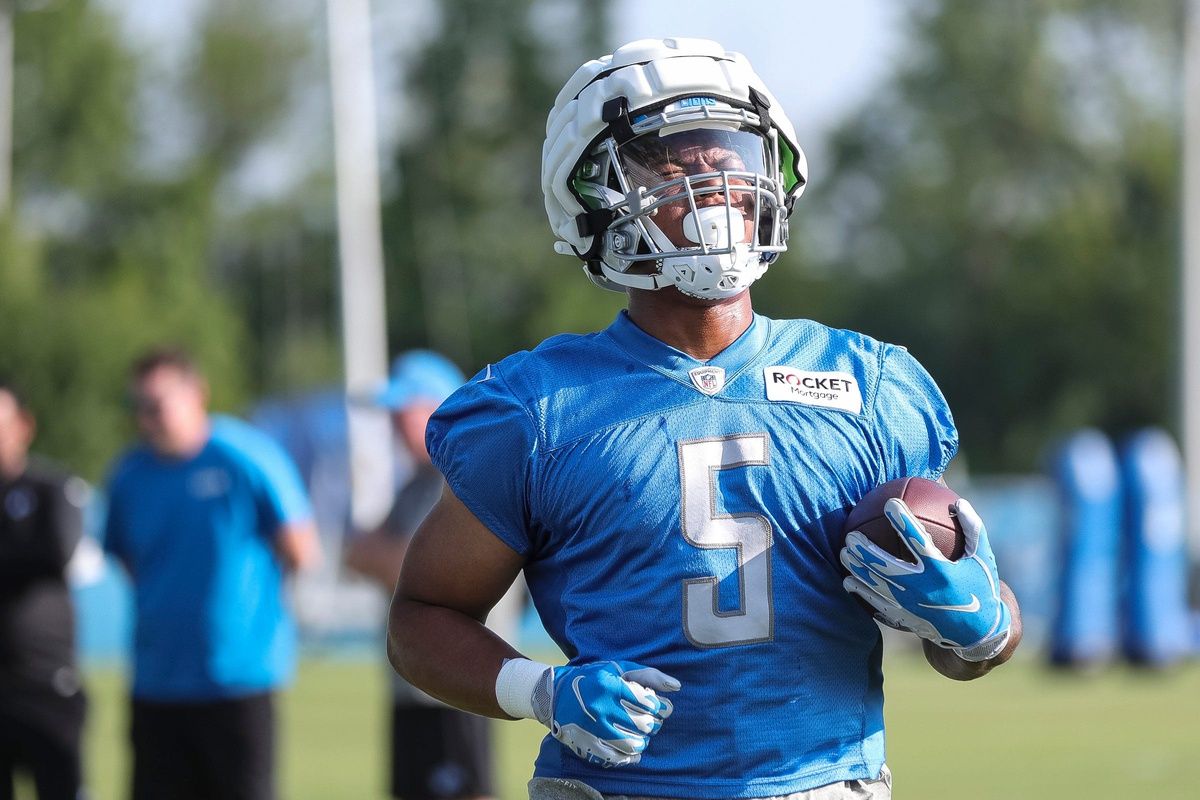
<point x="675" y="486"/>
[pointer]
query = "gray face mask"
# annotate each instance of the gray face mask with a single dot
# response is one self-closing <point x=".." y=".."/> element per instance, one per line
<point x="697" y="206"/>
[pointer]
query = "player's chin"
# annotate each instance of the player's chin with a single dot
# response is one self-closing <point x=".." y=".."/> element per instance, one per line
<point x="705" y="302"/>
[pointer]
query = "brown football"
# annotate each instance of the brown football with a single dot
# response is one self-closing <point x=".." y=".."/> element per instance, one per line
<point x="928" y="500"/>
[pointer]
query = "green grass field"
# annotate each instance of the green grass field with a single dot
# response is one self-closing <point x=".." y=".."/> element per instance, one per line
<point x="1023" y="732"/>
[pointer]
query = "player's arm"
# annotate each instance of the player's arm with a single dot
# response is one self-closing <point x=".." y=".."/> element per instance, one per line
<point x="961" y="607"/>
<point x="947" y="661"/>
<point x="952" y="666"/>
<point x="958" y="606"/>
<point x="454" y="572"/>
<point x="461" y="561"/>
<point x="949" y="664"/>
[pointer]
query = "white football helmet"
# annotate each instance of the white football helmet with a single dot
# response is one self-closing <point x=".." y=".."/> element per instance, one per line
<point x="668" y="163"/>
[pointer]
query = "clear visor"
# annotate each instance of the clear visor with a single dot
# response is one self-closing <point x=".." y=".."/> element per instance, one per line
<point x="684" y="177"/>
<point x="652" y="160"/>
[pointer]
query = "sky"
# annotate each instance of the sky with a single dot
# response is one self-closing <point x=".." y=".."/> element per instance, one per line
<point x="819" y="58"/>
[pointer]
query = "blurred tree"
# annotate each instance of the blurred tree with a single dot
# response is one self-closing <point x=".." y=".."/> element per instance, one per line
<point x="105" y="254"/>
<point x="1006" y="206"/>
<point x="242" y="72"/>
<point x="471" y="271"/>
<point x="259" y="89"/>
<point x="72" y="131"/>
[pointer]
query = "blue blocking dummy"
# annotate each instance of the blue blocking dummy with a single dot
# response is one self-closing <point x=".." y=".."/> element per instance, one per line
<point x="1155" y="626"/>
<point x="1085" y="627"/>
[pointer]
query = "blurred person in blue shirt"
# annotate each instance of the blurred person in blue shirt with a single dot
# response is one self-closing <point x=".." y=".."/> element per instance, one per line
<point x="208" y="515"/>
<point x="41" y="524"/>
<point x="436" y="751"/>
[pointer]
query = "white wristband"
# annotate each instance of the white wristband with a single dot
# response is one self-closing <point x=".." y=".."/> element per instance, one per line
<point x="515" y="686"/>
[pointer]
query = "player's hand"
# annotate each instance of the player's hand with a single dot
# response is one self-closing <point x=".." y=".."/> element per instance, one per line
<point x="606" y="712"/>
<point x="954" y="604"/>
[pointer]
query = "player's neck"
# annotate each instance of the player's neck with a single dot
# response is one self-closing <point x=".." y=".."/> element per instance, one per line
<point x="697" y="327"/>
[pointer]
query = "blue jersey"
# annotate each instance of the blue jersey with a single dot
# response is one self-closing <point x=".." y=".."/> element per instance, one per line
<point x="687" y="516"/>
<point x="197" y="536"/>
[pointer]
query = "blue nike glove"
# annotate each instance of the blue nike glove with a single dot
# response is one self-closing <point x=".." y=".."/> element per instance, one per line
<point x="607" y="712"/>
<point x="954" y="604"/>
<point x="604" y="712"/>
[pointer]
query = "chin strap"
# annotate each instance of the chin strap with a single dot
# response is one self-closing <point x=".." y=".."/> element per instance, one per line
<point x="630" y="281"/>
<point x="674" y="269"/>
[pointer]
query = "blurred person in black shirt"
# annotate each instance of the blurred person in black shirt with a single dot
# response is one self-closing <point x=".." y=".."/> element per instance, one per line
<point x="41" y="699"/>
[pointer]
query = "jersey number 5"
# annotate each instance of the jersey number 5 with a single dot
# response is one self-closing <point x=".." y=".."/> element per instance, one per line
<point x="704" y="623"/>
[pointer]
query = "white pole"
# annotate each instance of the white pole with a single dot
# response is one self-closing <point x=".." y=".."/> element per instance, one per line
<point x="364" y="330"/>
<point x="6" y="103"/>
<point x="1191" y="272"/>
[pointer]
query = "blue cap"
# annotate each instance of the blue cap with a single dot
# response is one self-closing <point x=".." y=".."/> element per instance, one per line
<point x="418" y="375"/>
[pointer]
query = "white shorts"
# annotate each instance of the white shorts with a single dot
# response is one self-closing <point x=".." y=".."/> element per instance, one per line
<point x="878" y="789"/>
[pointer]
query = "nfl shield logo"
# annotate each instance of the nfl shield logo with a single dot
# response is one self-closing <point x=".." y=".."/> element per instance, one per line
<point x="709" y="380"/>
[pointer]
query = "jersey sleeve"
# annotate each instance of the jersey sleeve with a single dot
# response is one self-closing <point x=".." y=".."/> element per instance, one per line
<point x="915" y="429"/>
<point x="483" y="440"/>
<point x="278" y="488"/>
<point x="282" y="489"/>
